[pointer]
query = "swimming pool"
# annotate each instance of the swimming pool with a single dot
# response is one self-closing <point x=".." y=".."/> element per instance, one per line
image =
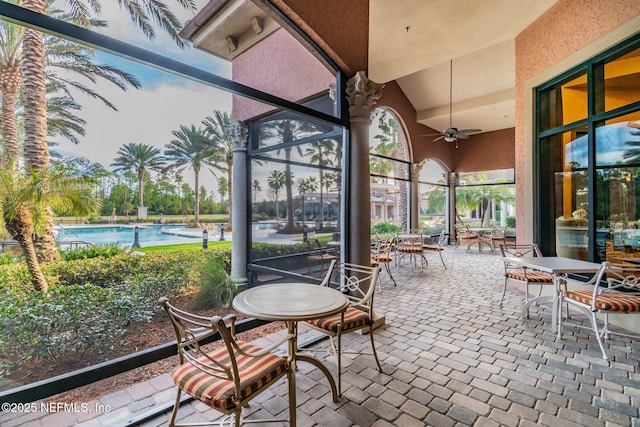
<point x="148" y="235"/>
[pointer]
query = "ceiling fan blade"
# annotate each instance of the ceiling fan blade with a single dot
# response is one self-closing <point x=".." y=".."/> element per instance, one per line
<point x="439" y="138"/>
<point x="462" y="135"/>
<point x="434" y="134"/>
<point x="469" y="130"/>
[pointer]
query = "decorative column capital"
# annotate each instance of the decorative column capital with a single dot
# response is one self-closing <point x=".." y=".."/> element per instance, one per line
<point x="239" y="134"/>
<point x="415" y="169"/>
<point x="332" y="91"/>
<point x="453" y="178"/>
<point x="362" y="94"/>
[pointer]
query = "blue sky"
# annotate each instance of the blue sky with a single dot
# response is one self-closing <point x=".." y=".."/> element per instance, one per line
<point x="611" y="145"/>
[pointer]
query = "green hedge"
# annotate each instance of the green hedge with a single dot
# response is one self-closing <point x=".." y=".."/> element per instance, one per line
<point x="90" y="303"/>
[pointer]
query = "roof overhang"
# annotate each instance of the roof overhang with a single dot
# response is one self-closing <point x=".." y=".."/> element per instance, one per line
<point x="227" y="28"/>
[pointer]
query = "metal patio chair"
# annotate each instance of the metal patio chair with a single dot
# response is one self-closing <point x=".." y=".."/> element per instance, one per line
<point x="616" y="289"/>
<point x="227" y="378"/>
<point x="381" y="254"/>
<point x="438" y="246"/>
<point x="522" y="274"/>
<point x="358" y="283"/>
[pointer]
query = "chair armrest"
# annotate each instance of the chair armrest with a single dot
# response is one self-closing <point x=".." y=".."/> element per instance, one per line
<point x="265" y="350"/>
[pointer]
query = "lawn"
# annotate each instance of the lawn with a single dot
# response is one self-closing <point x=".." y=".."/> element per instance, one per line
<point x="186" y="247"/>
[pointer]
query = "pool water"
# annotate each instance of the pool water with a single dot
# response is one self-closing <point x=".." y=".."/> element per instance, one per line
<point x="122" y="235"/>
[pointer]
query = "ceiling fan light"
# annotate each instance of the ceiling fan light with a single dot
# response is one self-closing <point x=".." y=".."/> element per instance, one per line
<point x="450" y="138"/>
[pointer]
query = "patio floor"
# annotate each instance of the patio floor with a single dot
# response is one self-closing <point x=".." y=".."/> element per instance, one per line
<point x="451" y="357"/>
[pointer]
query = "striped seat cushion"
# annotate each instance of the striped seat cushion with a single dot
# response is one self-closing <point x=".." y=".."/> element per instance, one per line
<point x="353" y="318"/>
<point x="532" y="276"/>
<point x="410" y="249"/>
<point x="610" y="301"/>
<point x="432" y="247"/>
<point x="374" y="262"/>
<point x="254" y="373"/>
<point x="382" y="258"/>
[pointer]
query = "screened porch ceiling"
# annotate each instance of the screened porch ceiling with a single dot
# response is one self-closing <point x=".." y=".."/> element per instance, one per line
<point x="411" y="41"/>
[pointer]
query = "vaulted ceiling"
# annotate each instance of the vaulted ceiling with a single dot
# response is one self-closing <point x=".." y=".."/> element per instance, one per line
<point x="413" y="42"/>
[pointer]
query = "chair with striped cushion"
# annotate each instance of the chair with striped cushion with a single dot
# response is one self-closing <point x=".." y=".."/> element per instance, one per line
<point x="381" y="254"/>
<point x="358" y="283"/>
<point x="437" y="246"/>
<point x="521" y="274"/>
<point x="616" y="289"/>
<point x="411" y="245"/>
<point x="224" y="378"/>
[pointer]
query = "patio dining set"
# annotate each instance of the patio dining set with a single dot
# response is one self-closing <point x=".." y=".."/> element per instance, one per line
<point x="228" y="378"/>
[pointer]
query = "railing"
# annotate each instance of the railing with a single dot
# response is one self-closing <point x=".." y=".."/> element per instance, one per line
<point x="7" y="243"/>
<point x="73" y="244"/>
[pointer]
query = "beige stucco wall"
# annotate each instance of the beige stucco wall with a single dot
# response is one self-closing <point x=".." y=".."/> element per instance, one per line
<point x="566" y="35"/>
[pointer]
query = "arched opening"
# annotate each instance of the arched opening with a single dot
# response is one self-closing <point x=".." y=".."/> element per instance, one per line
<point x="433" y="193"/>
<point x="390" y="177"/>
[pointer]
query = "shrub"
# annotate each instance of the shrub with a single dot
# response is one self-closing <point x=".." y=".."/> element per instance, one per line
<point x="90" y="304"/>
<point x="214" y="285"/>
<point x="510" y="221"/>
<point x="385" y="228"/>
<point x="6" y="258"/>
<point x="95" y="251"/>
<point x="68" y="320"/>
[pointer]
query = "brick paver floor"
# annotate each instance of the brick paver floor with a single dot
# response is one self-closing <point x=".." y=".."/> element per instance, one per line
<point x="451" y="357"/>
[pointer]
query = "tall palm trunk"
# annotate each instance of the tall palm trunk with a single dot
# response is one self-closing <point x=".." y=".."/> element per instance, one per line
<point x="20" y="227"/>
<point x="10" y="78"/>
<point x="196" y="208"/>
<point x="36" y="149"/>
<point x="288" y="183"/>
<point x="141" y="188"/>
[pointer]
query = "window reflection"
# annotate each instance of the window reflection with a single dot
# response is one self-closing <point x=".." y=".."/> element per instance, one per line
<point x="564" y="166"/>
<point x="563" y="103"/>
<point x="622" y="80"/>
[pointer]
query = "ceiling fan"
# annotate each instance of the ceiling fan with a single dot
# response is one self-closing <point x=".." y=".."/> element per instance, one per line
<point x="452" y="134"/>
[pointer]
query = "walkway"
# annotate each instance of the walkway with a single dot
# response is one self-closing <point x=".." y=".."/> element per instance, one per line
<point x="451" y="357"/>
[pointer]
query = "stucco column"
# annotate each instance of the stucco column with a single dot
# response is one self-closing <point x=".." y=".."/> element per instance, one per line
<point x="453" y="178"/>
<point x="414" y="202"/>
<point x="238" y="132"/>
<point x="362" y="95"/>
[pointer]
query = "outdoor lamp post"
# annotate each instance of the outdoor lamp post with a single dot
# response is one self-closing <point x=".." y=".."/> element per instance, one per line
<point x="136" y="241"/>
<point x="205" y="239"/>
<point x="221" y="232"/>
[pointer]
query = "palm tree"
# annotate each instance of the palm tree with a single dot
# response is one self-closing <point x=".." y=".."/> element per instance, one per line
<point x="319" y="153"/>
<point x="36" y="150"/>
<point x="276" y="181"/>
<point x="59" y="104"/>
<point x="632" y="155"/>
<point x="10" y="79"/>
<point x="24" y="203"/>
<point x="330" y="179"/>
<point x="195" y="148"/>
<point x="306" y="185"/>
<point x="284" y="132"/>
<point x="216" y="126"/>
<point x="256" y="187"/>
<point x="139" y="158"/>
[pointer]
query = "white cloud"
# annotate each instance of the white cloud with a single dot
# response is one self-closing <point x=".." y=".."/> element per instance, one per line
<point x="150" y="114"/>
<point x="145" y="116"/>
